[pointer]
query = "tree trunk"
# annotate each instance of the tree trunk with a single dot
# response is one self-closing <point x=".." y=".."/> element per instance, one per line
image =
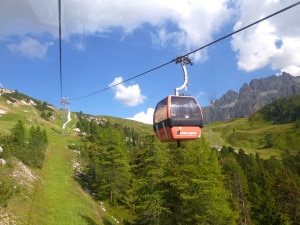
<point x="111" y="196"/>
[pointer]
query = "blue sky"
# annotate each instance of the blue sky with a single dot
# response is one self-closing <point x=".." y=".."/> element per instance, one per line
<point x="105" y="42"/>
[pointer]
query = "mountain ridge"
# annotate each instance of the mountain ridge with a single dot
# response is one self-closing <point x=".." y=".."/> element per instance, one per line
<point x="251" y="97"/>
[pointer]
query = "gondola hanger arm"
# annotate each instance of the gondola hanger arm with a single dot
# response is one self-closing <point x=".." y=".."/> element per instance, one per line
<point x="183" y="60"/>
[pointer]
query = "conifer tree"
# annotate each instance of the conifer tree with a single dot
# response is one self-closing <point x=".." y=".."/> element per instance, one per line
<point x="236" y="184"/>
<point x="18" y="134"/>
<point x="147" y="168"/>
<point x="194" y="182"/>
<point x="18" y="140"/>
<point x="112" y="169"/>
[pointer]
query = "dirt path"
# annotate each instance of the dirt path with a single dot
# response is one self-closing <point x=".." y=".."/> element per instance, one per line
<point x="69" y="119"/>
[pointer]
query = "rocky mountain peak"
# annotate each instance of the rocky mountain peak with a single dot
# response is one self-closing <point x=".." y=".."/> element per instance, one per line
<point x="251" y="97"/>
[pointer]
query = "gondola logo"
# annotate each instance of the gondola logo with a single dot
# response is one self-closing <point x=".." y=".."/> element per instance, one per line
<point x="192" y="133"/>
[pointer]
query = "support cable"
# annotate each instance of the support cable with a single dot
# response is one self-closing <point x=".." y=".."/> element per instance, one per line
<point x="194" y="51"/>
<point x="60" y="56"/>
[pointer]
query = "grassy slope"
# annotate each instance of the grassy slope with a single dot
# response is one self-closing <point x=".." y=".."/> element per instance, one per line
<point x="59" y="199"/>
<point x="250" y="136"/>
<point x="56" y="197"/>
<point x="141" y="128"/>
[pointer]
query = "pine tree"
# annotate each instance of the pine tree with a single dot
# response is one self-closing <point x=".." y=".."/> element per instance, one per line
<point x="147" y="168"/>
<point x="36" y="147"/>
<point x="287" y="194"/>
<point x="195" y="192"/>
<point x="18" y="134"/>
<point x="236" y="183"/>
<point x="18" y="140"/>
<point x="111" y="168"/>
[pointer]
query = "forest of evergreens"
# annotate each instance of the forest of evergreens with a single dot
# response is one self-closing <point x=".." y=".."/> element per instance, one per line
<point x="162" y="184"/>
<point x="284" y="110"/>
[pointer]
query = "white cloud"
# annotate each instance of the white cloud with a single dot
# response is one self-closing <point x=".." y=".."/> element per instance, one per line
<point x="183" y="25"/>
<point x="250" y="47"/>
<point x="192" y="22"/>
<point x="287" y="57"/>
<point x="130" y="95"/>
<point x="293" y="70"/>
<point x="144" y="117"/>
<point x="30" y="47"/>
<point x="258" y="46"/>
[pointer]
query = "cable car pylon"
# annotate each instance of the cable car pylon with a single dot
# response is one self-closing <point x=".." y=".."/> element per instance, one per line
<point x="65" y="102"/>
<point x="178" y="117"/>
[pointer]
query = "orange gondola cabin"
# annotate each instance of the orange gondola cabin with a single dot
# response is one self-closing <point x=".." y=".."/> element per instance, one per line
<point x="178" y="118"/>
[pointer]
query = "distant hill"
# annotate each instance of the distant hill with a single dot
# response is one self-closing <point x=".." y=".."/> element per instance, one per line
<point x="251" y="97"/>
<point x="271" y="130"/>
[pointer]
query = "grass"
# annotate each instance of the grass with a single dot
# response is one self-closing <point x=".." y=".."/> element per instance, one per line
<point x="139" y="127"/>
<point x="250" y="135"/>
<point x="59" y="199"/>
<point x="56" y="198"/>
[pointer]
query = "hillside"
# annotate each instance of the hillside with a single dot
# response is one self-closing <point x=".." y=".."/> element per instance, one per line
<point x="49" y="195"/>
<point x="114" y="171"/>
<point x="269" y="131"/>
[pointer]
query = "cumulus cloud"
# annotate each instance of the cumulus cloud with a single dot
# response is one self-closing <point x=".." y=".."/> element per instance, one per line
<point x="273" y="43"/>
<point x="28" y="16"/>
<point x="30" y="47"/>
<point x="183" y="25"/>
<point x="144" y="117"/>
<point x="192" y="22"/>
<point x="128" y="95"/>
